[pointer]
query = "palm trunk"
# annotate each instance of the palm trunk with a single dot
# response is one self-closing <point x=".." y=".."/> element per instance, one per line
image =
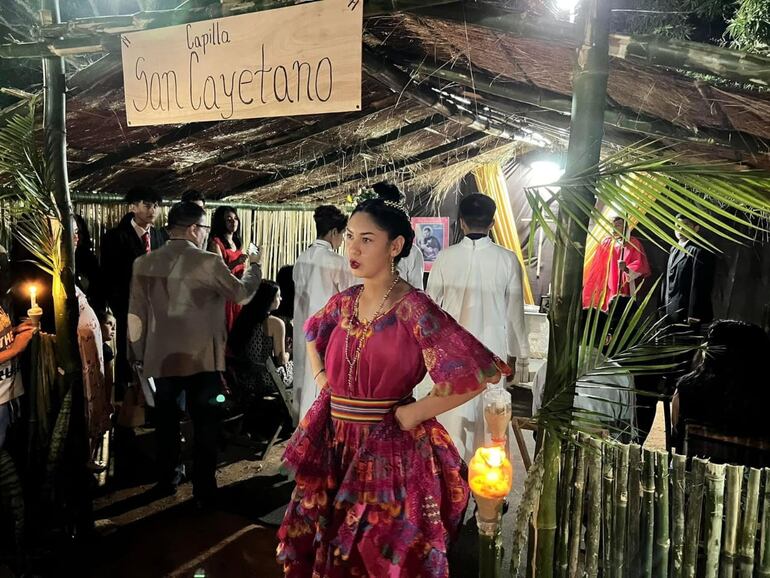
<point x="732" y="516"/>
<point x="662" y="538"/>
<point x="621" y="513"/>
<point x="576" y="518"/>
<point x="634" y="565"/>
<point x="593" y="524"/>
<point x="586" y="131"/>
<point x="648" y="513"/>
<point x="715" y="489"/>
<point x="65" y="302"/>
<point x="678" y="478"/>
<point x="694" y="514"/>
<point x="764" y="543"/>
<point x="749" y="530"/>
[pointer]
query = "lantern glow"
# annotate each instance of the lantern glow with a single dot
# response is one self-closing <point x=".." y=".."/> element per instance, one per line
<point x="490" y="473"/>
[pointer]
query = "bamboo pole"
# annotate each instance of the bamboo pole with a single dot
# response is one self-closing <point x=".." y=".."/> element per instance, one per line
<point x="608" y="499"/>
<point x="633" y="563"/>
<point x="749" y="528"/>
<point x="678" y="482"/>
<point x="694" y="514"/>
<point x="593" y="523"/>
<point x="621" y="512"/>
<point x="715" y="489"/>
<point x="565" y="505"/>
<point x="662" y="536"/>
<point x="732" y="516"/>
<point x="66" y="308"/>
<point x="585" y="142"/>
<point x="578" y="499"/>
<point x="545" y="522"/>
<point x="648" y="513"/>
<point x="764" y="545"/>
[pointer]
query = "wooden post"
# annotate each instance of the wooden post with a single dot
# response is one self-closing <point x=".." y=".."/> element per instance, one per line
<point x="715" y="491"/>
<point x="65" y="301"/>
<point x="585" y="143"/>
<point x="732" y="517"/>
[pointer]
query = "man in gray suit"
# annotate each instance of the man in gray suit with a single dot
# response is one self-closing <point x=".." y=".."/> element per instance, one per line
<point x="177" y="335"/>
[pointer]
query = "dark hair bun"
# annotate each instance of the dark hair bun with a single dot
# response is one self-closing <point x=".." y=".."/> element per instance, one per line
<point x="387" y="192"/>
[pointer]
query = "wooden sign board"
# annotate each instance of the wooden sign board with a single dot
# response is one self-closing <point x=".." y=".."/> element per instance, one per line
<point x="303" y="59"/>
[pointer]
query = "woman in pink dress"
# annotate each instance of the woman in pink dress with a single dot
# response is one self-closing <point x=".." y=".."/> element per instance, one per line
<point x="225" y="241"/>
<point x="380" y="489"/>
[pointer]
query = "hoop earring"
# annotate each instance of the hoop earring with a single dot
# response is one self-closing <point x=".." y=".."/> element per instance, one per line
<point x="392" y="266"/>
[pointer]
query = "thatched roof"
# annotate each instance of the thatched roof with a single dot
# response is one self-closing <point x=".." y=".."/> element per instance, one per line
<point x="397" y="135"/>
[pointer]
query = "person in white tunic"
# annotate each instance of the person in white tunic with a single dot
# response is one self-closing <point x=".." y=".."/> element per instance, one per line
<point x="319" y="273"/>
<point x="411" y="268"/>
<point x="479" y="283"/>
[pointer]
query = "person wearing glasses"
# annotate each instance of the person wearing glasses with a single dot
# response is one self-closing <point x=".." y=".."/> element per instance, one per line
<point x="177" y="336"/>
<point x="135" y="235"/>
<point x="225" y="241"/>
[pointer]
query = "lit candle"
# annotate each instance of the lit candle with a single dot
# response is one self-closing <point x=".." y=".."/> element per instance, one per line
<point x="33" y="296"/>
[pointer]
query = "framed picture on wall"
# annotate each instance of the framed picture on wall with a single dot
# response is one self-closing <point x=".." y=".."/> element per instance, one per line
<point x="431" y="234"/>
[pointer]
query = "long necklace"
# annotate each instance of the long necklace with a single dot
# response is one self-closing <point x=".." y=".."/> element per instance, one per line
<point x="354" y="360"/>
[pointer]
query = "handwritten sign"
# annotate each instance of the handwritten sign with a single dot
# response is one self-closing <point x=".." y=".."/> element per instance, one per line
<point x="303" y="59"/>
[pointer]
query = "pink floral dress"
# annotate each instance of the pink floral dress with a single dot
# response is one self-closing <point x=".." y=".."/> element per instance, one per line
<point x="370" y="499"/>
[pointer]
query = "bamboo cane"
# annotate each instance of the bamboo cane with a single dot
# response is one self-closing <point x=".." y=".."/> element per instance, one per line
<point x="593" y="524"/>
<point x="678" y="477"/>
<point x="694" y="513"/>
<point x="764" y="545"/>
<point x="715" y="489"/>
<point x="565" y="502"/>
<point x="608" y="491"/>
<point x="732" y="516"/>
<point x="662" y="536"/>
<point x="545" y="521"/>
<point x="576" y="520"/>
<point x="621" y="512"/>
<point x="749" y="530"/>
<point x="648" y="512"/>
<point x="634" y="509"/>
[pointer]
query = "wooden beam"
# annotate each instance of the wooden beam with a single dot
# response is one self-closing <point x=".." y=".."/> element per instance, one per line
<point x="333" y="157"/>
<point x="399" y="82"/>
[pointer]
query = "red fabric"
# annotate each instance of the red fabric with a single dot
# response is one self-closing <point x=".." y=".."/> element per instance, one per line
<point x="603" y="280"/>
<point x="231" y="256"/>
<point x="372" y="500"/>
<point x="146" y="239"/>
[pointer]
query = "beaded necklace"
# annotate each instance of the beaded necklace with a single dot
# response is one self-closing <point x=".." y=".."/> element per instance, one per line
<point x="353" y="361"/>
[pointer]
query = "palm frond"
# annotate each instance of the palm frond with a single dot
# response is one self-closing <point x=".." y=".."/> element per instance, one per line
<point x="653" y="189"/>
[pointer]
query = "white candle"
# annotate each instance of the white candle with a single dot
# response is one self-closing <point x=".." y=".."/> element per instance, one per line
<point x="33" y="296"/>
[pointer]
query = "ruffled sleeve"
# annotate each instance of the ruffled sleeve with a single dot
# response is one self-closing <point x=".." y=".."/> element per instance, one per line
<point x="319" y="327"/>
<point x="457" y="362"/>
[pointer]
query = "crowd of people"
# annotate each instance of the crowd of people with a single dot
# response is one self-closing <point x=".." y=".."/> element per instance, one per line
<point x="383" y="377"/>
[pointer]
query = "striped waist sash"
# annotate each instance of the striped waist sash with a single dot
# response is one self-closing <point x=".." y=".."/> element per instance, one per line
<point x="366" y="411"/>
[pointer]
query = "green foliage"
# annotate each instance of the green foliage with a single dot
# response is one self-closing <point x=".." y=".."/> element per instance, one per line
<point x="749" y="28"/>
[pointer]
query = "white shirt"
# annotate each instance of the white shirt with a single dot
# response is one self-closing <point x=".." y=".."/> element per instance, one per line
<point x="139" y="230"/>
<point x="479" y="284"/>
<point x="319" y="273"/>
<point x="10" y="374"/>
<point x="411" y="268"/>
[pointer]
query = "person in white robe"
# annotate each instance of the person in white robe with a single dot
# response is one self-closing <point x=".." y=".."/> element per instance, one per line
<point x="319" y="273"/>
<point x="479" y="283"/>
<point x="412" y="267"/>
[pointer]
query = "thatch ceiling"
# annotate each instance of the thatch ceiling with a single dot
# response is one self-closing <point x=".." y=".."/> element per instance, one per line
<point x="395" y="136"/>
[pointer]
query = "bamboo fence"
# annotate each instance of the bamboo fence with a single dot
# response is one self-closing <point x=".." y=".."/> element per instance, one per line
<point x="626" y="512"/>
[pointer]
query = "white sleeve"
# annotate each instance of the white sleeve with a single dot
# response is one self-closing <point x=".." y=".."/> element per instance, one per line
<point x="415" y="276"/>
<point x="435" y="286"/>
<point x="518" y="345"/>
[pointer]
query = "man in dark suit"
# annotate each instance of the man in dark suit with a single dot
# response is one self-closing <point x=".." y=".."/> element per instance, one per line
<point x="134" y="236"/>
<point x="689" y="279"/>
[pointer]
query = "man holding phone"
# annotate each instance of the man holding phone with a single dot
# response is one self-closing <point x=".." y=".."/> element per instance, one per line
<point x="177" y="335"/>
